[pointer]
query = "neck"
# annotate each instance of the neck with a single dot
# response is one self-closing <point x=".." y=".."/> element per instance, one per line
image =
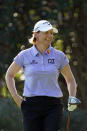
<point x="41" y="48"/>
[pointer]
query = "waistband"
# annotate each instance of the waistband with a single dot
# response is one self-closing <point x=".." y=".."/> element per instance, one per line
<point x="44" y="98"/>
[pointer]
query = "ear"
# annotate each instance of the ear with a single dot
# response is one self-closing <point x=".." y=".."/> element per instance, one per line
<point x="35" y="34"/>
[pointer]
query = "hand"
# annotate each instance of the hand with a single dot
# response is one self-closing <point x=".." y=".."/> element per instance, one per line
<point x="71" y="107"/>
<point x="18" y="100"/>
<point x="72" y="103"/>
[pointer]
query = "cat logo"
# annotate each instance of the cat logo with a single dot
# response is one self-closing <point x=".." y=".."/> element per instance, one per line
<point x="34" y="62"/>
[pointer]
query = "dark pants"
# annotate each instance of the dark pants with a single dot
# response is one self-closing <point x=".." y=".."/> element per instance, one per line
<point x="42" y="113"/>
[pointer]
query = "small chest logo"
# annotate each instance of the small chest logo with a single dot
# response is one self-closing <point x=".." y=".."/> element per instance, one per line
<point x="34" y="62"/>
<point x="51" y="61"/>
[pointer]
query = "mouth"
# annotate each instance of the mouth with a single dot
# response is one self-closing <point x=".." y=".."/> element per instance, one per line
<point x="48" y="40"/>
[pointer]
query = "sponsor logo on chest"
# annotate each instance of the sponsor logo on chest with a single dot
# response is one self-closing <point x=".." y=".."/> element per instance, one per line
<point x="51" y="61"/>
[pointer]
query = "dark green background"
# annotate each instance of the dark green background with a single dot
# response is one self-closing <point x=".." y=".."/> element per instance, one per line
<point x="17" y="18"/>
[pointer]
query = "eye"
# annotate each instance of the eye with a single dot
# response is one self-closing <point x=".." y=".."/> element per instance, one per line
<point x="49" y="32"/>
<point x="46" y="32"/>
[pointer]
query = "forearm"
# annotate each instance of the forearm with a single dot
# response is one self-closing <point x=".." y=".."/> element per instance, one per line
<point x="72" y="87"/>
<point x="10" y="74"/>
<point x="12" y="89"/>
<point x="11" y="85"/>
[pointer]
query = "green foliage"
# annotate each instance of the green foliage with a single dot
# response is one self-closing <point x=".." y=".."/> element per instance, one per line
<point x="10" y="115"/>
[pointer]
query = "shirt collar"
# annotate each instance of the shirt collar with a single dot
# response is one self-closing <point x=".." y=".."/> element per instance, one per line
<point x="36" y="52"/>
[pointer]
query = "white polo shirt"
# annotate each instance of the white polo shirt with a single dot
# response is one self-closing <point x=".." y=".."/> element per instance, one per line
<point x="41" y="71"/>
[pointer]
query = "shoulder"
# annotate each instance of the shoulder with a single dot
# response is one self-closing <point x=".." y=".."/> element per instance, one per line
<point x="24" y="52"/>
<point x="58" y="52"/>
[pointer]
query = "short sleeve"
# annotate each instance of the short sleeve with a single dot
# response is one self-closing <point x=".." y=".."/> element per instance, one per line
<point x="19" y="59"/>
<point x="64" y="60"/>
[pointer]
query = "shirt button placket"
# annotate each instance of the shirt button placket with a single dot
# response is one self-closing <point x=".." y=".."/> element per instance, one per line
<point x="42" y="62"/>
<point x="41" y="59"/>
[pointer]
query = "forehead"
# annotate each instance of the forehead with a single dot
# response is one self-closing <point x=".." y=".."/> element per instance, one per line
<point x="49" y="31"/>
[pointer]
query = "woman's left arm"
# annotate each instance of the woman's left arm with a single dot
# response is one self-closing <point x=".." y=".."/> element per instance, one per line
<point x="70" y="80"/>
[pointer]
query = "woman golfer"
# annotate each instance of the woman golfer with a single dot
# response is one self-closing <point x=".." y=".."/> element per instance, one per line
<point x="41" y="105"/>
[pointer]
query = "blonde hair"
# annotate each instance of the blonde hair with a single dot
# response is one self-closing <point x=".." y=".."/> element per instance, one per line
<point x="33" y="39"/>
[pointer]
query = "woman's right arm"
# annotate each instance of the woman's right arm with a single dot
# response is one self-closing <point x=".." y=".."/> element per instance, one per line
<point x="10" y="74"/>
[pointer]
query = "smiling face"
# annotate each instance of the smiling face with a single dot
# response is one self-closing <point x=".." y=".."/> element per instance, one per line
<point x="44" y="37"/>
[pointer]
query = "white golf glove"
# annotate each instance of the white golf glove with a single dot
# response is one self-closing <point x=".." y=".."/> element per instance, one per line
<point x="71" y="107"/>
<point x="72" y="103"/>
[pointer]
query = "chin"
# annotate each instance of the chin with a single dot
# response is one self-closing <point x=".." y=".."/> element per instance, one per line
<point x="48" y="42"/>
